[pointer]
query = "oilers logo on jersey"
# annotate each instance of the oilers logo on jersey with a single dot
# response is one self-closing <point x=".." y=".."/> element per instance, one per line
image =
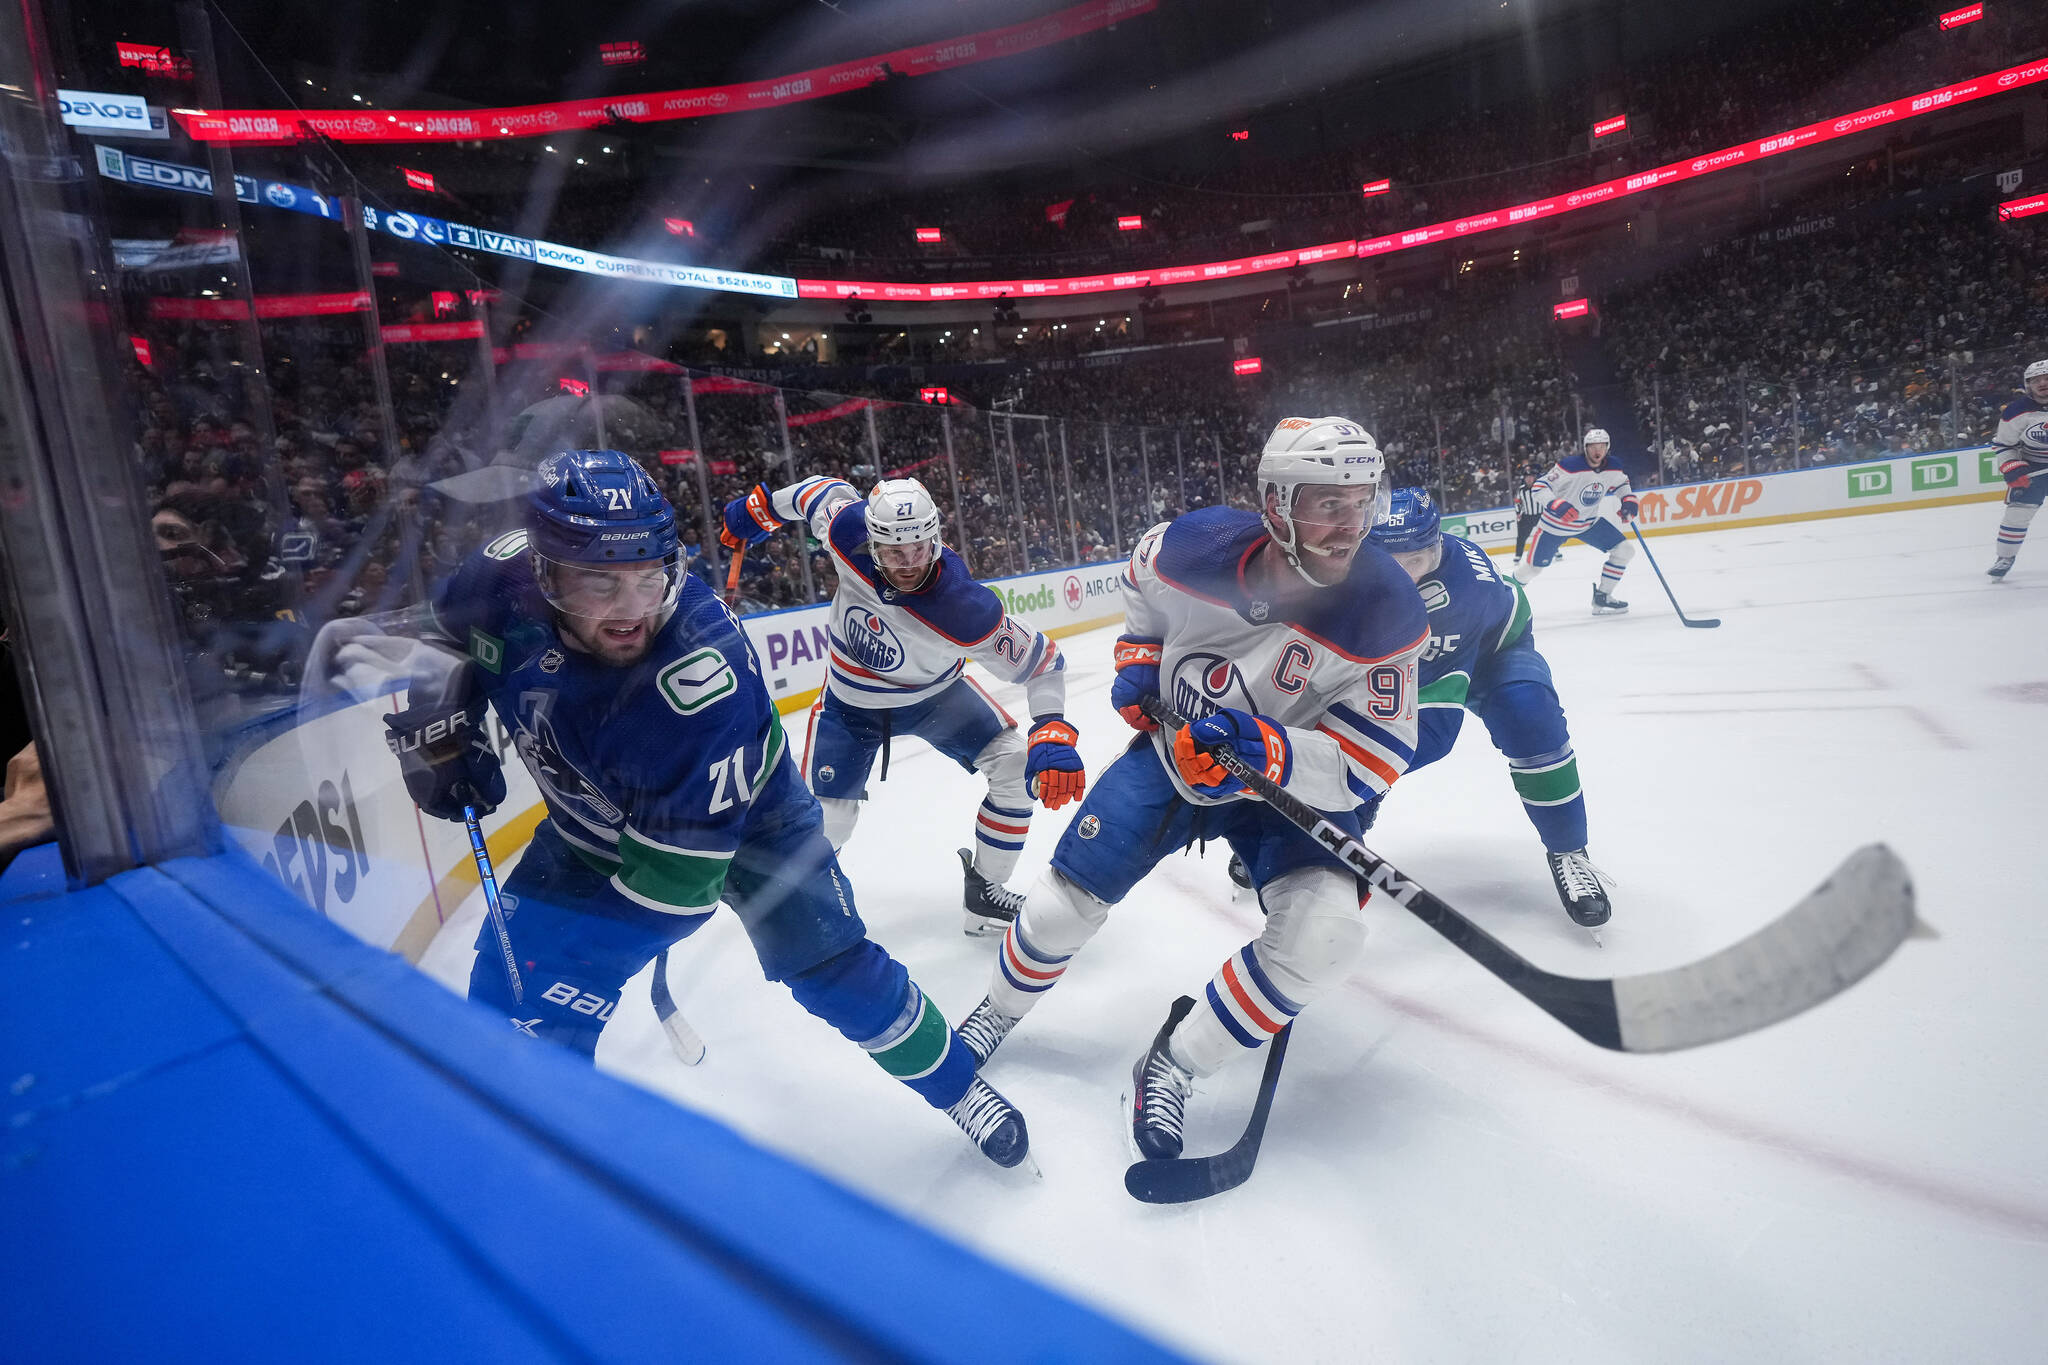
<point x="1204" y="684"/>
<point x="870" y="642"/>
<point x="560" y="780"/>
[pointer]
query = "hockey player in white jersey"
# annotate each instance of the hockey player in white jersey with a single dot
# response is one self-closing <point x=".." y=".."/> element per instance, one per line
<point x="1287" y="639"/>
<point x="905" y="620"/>
<point x="1575" y="494"/>
<point x="2021" y="447"/>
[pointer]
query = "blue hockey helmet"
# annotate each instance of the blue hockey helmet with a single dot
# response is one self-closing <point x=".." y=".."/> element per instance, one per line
<point x="1411" y="522"/>
<point x="598" y="509"/>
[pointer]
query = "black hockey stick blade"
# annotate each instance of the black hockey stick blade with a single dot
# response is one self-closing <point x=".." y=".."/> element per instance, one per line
<point x="1695" y="622"/>
<point x="1187" y="1179"/>
<point x="688" y="1047"/>
<point x="1826" y="943"/>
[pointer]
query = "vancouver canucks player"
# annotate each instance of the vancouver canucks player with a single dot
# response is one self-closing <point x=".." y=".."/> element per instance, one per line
<point x="1481" y="657"/>
<point x="1287" y="639"/>
<point x="638" y="706"/>
<point x="2021" y="445"/>
<point x="906" y="618"/>
<point x="1574" y="495"/>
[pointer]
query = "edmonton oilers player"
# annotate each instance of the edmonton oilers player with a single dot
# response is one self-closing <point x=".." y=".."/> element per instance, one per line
<point x="905" y="619"/>
<point x="638" y="706"/>
<point x="1574" y="494"/>
<point x="1288" y="640"/>
<point x="1481" y="657"/>
<point x="2021" y="445"/>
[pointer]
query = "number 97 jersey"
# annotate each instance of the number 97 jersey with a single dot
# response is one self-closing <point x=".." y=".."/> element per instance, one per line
<point x="1336" y="669"/>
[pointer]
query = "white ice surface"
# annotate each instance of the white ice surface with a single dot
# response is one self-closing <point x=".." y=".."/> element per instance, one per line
<point x="1449" y="1175"/>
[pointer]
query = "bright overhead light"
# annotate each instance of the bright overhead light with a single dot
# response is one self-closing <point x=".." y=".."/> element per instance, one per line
<point x="357" y="98"/>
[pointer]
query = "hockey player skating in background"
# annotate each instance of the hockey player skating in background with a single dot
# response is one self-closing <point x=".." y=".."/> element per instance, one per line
<point x="1575" y="494"/>
<point x="905" y="620"/>
<point x="1481" y="657"/>
<point x="638" y="706"/>
<point x="2021" y="446"/>
<point x="1288" y="639"/>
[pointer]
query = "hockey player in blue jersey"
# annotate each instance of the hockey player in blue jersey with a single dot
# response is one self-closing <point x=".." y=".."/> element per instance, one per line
<point x="1481" y="657"/>
<point x="906" y="619"/>
<point x="638" y="706"/>
<point x="1289" y="640"/>
<point x="1575" y="494"/>
<point x="2021" y="448"/>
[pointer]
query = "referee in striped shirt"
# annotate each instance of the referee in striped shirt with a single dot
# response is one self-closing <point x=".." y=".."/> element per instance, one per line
<point x="1528" y="509"/>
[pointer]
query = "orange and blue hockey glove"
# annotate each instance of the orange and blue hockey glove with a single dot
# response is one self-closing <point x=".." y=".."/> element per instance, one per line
<point x="1052" y="766"/>
<point x="1258" y="740"/>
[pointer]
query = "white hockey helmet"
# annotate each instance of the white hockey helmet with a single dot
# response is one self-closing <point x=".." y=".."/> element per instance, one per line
<point x="2038" y="371"/>
<point x="1597" y="436"/>
<point x="1305" y="451"/>
<point x="903" y="527"/>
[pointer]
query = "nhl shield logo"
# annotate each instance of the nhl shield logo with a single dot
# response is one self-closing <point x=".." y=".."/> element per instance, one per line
<point x="1090" y="827"/>
<point x="1261" y="610"/>
<point x="551" y="661"/>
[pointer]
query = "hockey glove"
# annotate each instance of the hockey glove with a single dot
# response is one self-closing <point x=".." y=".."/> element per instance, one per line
<point x="749" y="520"/>
<point x="1137" y="677"/>
<point x="1052" y="767"/>
<point x="447" y="759"/>
<point x="1260" y="742"/>
<point x="1629" y="507"/>
<point x="2016" y="477"/>
<point x="1563" y="512"/>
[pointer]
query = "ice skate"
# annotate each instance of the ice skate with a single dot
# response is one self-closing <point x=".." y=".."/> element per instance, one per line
<point x="1240" y="877"/>
<point x="991" y="906"/>
<point x="1605" y="602"/>
<point x="992" y="1123"/>
<point x="1579" y="887"/>
<point x="984" y="1030"/>
<point x="2000" y="566"/>
<point x="1160" y="1087"/>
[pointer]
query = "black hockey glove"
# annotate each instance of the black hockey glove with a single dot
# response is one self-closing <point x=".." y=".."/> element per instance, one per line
<point x="446" y="756"/>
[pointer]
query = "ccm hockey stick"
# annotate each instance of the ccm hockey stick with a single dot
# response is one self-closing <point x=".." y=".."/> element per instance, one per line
<point x="1836" y="936"/>
<point x="1190" y="1178"/>
<point x="1696" y="622"/>
<point x="689" y="1048"/>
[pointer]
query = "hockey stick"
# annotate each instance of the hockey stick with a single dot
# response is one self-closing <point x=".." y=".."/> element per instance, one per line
<point x="1190" y="1178"/>
<point x="1841" y="932"/>
<point x="732" y="575"/>
<point x="492" y="904"/>
<point x="1697" y="623"/>
<point x="689" y="1048"/>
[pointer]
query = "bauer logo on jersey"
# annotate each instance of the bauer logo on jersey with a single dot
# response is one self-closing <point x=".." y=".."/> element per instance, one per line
<point x="870" y="642"/>
<point x="1204" y="684"/>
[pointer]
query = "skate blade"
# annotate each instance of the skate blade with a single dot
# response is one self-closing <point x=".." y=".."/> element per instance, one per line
<point x="980" y="926"/>
<point x="1593" y="932"/>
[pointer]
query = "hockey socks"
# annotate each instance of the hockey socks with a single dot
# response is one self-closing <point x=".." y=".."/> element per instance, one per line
<point x="870" y="998"/>
<point x="1548" y="784"/>
<point x="2012" y="528"/>
<point x="999" y="833"/>
<point x="918" y="1049"/>
<point x="1239" y="1012"/>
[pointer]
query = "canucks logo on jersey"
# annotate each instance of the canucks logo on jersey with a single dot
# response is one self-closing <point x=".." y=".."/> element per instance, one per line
<point x="564" y="784"/>
<point x="1204" y="684"/>
<point x="871" y="642"/>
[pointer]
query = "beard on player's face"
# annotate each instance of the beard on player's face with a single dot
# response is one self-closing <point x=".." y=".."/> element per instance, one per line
<point x="622" y="641"/>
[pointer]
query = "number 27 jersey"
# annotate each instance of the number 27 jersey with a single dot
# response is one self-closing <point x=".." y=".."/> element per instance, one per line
<point x="1337" y="669"/>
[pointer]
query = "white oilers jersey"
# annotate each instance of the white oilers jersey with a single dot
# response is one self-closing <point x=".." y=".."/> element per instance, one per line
<point x="892" y="648"/>
<point x="2022" y="436"/>
<point x="1572" y="480"/>
<point x="1337" y="670"/>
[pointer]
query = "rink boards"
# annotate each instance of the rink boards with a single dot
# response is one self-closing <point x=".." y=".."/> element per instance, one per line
<point x="321" y="806"/>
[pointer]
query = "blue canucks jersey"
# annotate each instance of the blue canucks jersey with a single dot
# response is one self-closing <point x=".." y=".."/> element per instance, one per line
<point x="650" y="771"/>
<point x="1475" y="612"/>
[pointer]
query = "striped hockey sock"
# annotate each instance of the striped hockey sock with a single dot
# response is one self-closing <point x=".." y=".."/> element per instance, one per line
<point x="917" y="1049"/>
<point x="1024" y="974"/>
<point x="999" y="833"/>
<point x="1240" y="1011"/>
<point x="1549" y="787"/>
<point x="2012" y="529"/>
<point x="1610" y="575"/>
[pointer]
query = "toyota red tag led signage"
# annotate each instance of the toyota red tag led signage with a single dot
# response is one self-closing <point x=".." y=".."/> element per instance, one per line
<point x="1373" y="187"/>
<point x="575" y="386"/>
<point x="1571" y="308"/>
<point x="141" y="345"/>
<point x="925" y="234"/>
<point x="621" y="54"/>
<point x="419" y="180"/>
<point x="1240" y="135"/>
<point x="1607" y="127"/>
<point x="935" y="394"/>
<point x="1130" y="222"/>
<point x="1956" y="18"/>
<point x="2023" y="208"/>
<point x="1249" y="365"/>
<point x="679" y="227"/>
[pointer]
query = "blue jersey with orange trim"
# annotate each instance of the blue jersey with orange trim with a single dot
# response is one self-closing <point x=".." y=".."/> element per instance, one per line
<point x="1335" y="666"/>
<point x="651" y="771"/>
<point x="895" y="648"/>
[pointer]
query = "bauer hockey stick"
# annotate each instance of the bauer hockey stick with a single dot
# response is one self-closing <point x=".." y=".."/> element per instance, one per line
<point x="689" y="1048"/>
<point x="1696" y="622"/>
<point x="492" y="903"/>
<point x="1841" y="932"/>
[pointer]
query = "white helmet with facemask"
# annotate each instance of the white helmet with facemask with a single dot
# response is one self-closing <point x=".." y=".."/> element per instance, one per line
<point x="1316" y="451"/>
<point x="903" y="525"/>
